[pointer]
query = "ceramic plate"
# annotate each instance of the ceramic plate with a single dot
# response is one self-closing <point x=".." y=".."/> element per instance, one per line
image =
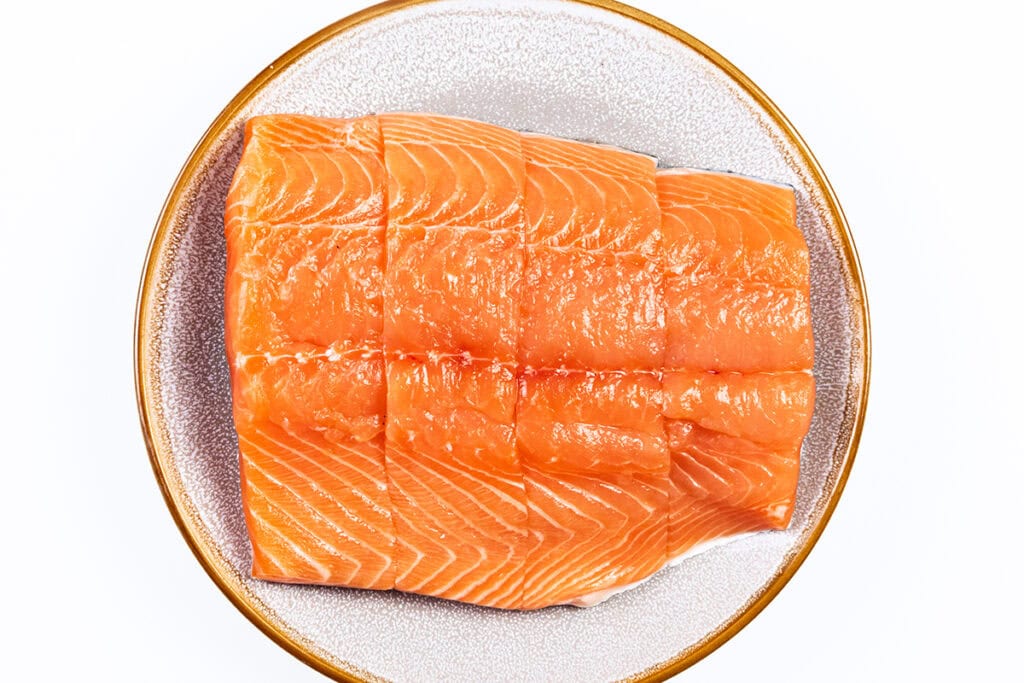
<point x="589" y="70"/>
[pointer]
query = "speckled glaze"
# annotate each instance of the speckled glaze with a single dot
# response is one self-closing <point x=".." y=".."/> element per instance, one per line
<point x="600" y="72"/>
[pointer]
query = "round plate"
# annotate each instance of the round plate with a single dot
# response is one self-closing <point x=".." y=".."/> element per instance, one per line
<point x="589" y="70"/>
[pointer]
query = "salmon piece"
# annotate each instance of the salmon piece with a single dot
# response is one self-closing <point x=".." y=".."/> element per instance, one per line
<point x="304" y="223"/>
<point x="456" y="481"/>
<point x="737" y="389"/>
<point x="447" y="171"/>
<point x="591" y="197"/>
<point x="451" y="317"/>
<point x="453" y="291"/>
<point x="305" y="170"/>
<point x="739" y="326"/>
<point x="730" y="227"/>
<point x="592" y="441"/>
<point x="295" y="289"/>
<point x="737" y="287"/>
<point x="596" y="464"/>
<point x="753" y="483"/>
<point x="592" y="292"/>
<point x="455" y="222"/>
<point x="591" y="311"/>
<point x="314" y="491"/>
<point x="770" y="408"/>
<point x="305" y="235"/>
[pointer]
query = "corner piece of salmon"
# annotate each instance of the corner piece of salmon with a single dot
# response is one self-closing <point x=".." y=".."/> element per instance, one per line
<point x="304" y="223"/>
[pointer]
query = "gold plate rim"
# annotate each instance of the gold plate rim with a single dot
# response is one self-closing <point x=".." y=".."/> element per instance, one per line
<point x="144" y="388"/>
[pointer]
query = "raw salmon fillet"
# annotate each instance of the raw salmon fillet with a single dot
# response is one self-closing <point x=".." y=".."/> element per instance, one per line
<point x="305" y="225"/>
<point x="312" y="443"/>
<point x="738" y="389"/>
<point x="588" y="422"/>
<point x="451" y="324"/>
<point x="505" y="368"/>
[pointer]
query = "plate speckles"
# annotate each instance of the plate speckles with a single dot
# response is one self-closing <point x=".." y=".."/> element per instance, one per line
<point x="563" y="68"/>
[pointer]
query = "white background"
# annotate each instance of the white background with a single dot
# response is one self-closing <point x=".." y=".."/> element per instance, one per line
<point x="913" y="111"/>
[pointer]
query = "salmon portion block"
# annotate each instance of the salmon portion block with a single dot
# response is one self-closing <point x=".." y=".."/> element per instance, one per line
<point x="739" y="326"/>
<point x="735" y="447"/>
<point x="297" y="289"/>
<point x="728" y="227"/>
<point x="591" y="311"/>
<point x="311" y="438"/>
<point x="596" y="464"/>
<point x="773" y="407"/>
<point x="737" y="287"/>
<point x="592" y="281"/>
<point x="757" y="481"/>
<point x="304" y="224"/>
<point x="590" y="197"/>
<point x="592" y="439"/>
<point x="455" y="219"/>
<point x="592" y="422"/>
<point x="453" y="291"/>
<point x="737" y="389"/>
<point x="456" y="481"/>
<point x="447" y="171"/>
<point x="311" y="171"/>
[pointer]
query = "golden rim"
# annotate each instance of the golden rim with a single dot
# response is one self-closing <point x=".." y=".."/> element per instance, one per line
<point x="143" y="384"/>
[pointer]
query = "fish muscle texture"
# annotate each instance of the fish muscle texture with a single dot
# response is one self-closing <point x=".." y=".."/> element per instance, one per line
<point x="505" y="368"/>
<point x="305" y="226"/>
<point x="737" y="386"/>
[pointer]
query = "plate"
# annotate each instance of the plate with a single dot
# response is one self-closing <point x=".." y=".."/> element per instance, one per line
<point x="591" y="70"/>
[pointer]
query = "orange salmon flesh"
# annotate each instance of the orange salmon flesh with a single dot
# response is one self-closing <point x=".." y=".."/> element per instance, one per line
<point x="504" y="368"/>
